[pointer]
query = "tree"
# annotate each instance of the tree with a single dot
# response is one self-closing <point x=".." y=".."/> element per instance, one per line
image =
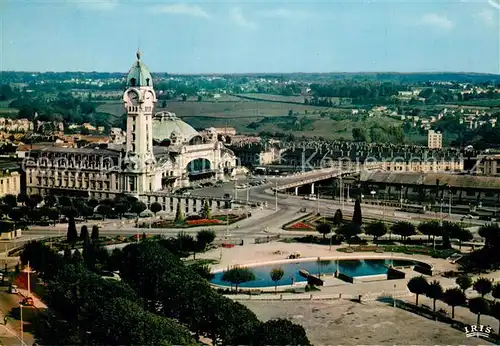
<point x="456" y="231"/>
<point x="324" y="229"/>
<point x="65" y="201"/>
<point x="121" y="208"/>
<point x="280" y="332"/>
<point x="418" y="285"/>
<point x="138" y="207"/>
<point x="430" y="228"/>
<point x="205" y="212"/>
<point x="72" y="234"/>
<point x="348" y="230"/>
<point x="454" y="297"/>
<point x="84" y="233"/>
<point x="434" y="291"/>
<point x="356" y="216"/>
<point x="53" y="214"/>
<point x="276" y="275"/>
<point x="104" y="209"/>
<point x="95" y="233"/>
<point x="376" y="229"/>
<point x="495" y="291"/>
<point x="462" y="235"/>
<point x="464" y="282"/>
<point x="50" y="200"/>
<point x="491" y="235"/>
<point x="179" y="216"/>
<point x="403" y="228"/>
<point x="155" y="207"/>
<point x="93" y="202"/>
<point x="204" y="238"/>
<point x="495" y="312"/>
<point x="10" y="201"/>
<point x="479" y="306"/>
<point x="238" y="275"/>
<point x="483" y="286"/>
<point x="338" y="218"/>
<point x="77" y="258"/>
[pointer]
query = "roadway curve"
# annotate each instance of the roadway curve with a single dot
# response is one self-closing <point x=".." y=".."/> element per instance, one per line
<point x="264" y="222"/>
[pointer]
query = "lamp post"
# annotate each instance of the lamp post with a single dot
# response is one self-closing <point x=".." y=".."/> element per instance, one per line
<point x="29" y="274"/>
<point x="21" y="329"/>
<point x="236" y="188"/>
<point x="449" y="204"/>
<point x="394" y="296"/>
<point x="317" y="201"/>
<point x="276" y="195"/>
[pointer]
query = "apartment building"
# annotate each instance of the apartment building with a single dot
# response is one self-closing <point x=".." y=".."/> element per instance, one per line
<point x="434" y="139"/>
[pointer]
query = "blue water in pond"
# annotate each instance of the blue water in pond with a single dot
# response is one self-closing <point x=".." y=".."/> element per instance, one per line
<point x="349" y="267"/>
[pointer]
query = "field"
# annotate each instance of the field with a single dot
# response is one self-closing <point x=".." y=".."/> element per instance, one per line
<point x="5" y="111"/>
<point x="255" y="116"/>
<point x="275" y="98"/>
<point x="349" y="323"/>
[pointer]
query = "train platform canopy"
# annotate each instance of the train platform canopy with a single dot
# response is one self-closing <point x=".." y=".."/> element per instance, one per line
<point x="458" y="181"/>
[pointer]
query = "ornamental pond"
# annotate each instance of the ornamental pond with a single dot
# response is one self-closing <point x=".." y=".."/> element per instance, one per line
<point x="350" y="267"/>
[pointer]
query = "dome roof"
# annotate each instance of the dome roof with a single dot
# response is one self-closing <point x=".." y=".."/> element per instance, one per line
<point x="165" y="124"/>
<point x="139" y="74"/>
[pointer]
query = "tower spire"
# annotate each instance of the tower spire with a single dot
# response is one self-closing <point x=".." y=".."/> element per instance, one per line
<point x="138" y="54"/>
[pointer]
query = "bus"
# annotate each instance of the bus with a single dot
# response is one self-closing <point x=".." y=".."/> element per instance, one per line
<point x="413" y="208"/>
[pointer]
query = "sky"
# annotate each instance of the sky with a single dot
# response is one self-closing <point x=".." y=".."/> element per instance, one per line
<point x="251" y="36"/>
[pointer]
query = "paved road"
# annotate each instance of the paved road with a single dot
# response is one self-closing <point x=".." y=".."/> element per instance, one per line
<point x="267" y="221"/>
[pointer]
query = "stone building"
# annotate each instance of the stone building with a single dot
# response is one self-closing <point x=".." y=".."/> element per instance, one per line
<point x="161" y="152"/>
<point x="432" y="187"/>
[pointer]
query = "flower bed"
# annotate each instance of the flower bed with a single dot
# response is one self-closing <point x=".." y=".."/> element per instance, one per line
<point x="300" y="225"/>
<point x="193" y="221"/>
<point x="203" y="222"/>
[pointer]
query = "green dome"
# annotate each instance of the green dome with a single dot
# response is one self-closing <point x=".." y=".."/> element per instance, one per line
<point x="139" y="74"/>
<point x="165" y="124"/>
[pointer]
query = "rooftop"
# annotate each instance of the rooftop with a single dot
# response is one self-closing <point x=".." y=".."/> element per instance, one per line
<point x="431" y="179"/>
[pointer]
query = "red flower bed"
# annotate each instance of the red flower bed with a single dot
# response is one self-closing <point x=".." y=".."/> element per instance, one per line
<point x="203" y="222"/>
<point x="300" y="225"/>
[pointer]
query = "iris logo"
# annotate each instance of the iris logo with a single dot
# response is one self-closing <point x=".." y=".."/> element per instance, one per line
<point x="495" y="3"/>
<point x="477" y="331"/>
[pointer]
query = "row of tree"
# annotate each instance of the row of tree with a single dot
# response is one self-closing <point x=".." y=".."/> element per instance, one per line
<point x="446" y="230"/>
<point x="156" y="284"/>
<point x="457" y="297"/>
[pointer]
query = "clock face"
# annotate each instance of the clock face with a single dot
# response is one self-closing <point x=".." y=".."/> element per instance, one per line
<point x="149" y="96"/>
<point x="133" y="97"/>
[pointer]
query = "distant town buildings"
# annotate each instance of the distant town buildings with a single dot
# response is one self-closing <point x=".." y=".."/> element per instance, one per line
<point x="434" y="139"/>
<point x="10" y="179"/>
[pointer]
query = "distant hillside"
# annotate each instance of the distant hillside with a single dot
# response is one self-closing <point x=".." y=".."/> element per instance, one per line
<point x="462" y="77"/>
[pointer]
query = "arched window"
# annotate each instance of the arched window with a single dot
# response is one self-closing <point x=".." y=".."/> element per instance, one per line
<point x="132" y="81"/>
<point x="147" y="81"/>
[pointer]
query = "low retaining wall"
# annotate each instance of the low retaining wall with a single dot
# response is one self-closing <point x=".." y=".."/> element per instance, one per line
<point x="369" y="278"/>
<point x="395" y="274"/>
<point x="315" y="296"/>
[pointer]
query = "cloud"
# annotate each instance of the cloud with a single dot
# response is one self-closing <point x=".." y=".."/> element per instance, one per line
<point x="284" y="13"/>
<point x="96" y="5"/>
<point x="182" y="9"/>
<point x="237" y="17"/>
<point x="486" y="16"/>
<point x="437" y="21"/>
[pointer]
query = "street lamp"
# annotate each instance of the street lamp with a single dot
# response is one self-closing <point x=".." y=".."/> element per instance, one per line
<point x="394" y="296"/>
<point x="276" y="196"/>
<point x="22" y="330"/>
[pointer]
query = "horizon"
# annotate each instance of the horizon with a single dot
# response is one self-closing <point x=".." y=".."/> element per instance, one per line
<point x="234" y="37"/>
<point x="267" y="73"/>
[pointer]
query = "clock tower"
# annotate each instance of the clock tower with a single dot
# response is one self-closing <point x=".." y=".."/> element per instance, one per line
<point x="139" y="99"/>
